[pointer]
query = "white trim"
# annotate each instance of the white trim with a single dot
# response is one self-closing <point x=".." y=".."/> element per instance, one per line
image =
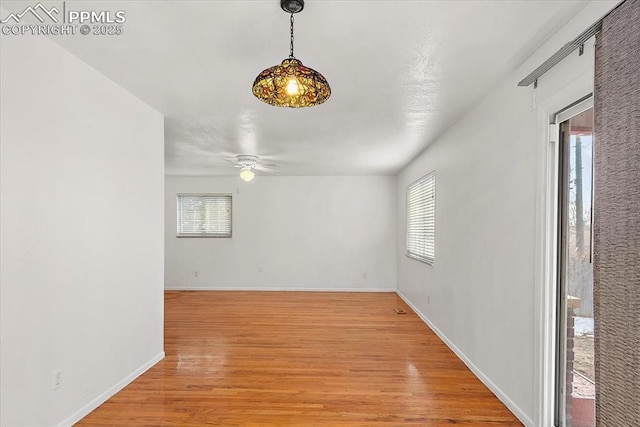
<point x="517" y="411"/>
<point x="99" y="400"/>
<point x="274" y="289"/>
<point x="573" y="110"/>
<point x="545" y="270"/>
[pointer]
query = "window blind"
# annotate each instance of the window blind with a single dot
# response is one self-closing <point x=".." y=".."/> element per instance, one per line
<point x="421" y="215"/>
<point x="204" y="215"/>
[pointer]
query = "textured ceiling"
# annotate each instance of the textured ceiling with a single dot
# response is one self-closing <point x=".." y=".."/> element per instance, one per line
<point x="401" y="72"/>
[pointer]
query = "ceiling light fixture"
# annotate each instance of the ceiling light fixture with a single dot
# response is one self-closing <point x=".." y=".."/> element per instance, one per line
<point x="247" y="174"/>
<point x="247" y="163"/>
<point x="291" y="84"/>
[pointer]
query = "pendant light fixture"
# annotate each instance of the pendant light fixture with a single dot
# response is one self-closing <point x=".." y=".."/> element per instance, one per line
<point x="291" y="84"/>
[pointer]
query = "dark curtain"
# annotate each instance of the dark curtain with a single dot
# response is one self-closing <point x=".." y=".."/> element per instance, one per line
<point x="617" y="218"/>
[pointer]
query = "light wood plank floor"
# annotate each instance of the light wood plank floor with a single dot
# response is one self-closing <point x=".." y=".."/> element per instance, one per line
<point x="300" y="359"/>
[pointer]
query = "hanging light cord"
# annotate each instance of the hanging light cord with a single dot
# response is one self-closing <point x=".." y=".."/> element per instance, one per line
<point x="291" y="53"/>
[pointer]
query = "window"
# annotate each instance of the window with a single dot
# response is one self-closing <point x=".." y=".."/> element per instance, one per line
<point x="421" y="218"/>
<point x="204" y="215"/>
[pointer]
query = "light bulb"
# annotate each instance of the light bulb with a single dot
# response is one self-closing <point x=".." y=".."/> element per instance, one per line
<point x="292" y="87"/>
<point x="247" y="174"/>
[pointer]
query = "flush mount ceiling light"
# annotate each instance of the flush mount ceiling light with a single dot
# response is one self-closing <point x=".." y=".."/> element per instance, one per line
<point x="291" y="84"/>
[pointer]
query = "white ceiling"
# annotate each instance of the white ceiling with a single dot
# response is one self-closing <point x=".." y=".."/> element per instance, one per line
<point x="401" y="72"/>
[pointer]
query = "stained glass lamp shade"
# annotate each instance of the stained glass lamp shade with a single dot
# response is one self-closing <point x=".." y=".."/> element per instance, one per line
<point x="291" y="84"/>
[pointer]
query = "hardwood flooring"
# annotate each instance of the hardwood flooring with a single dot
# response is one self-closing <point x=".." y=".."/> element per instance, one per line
<point x="300" y="359"/>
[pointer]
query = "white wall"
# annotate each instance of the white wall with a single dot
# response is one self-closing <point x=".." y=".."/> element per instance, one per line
<point x="484" y="288"/>
<point x="82" y="234"/>
<point x="308" y="233"/>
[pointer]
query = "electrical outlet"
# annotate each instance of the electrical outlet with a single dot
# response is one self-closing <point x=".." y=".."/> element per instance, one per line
<point x="260" y="269"/>
<point x="428" y="299"/>
<point x="364" y="276"/>
<point x="57" y="379"/>
<point x="195" y="274"/>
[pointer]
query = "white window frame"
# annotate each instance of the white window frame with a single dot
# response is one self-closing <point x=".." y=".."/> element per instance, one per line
<point x="222" y="198"/>
<point x="421" y="219"/>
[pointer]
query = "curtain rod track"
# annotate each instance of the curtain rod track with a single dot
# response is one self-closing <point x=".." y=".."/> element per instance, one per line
<point x="566" y="50"/>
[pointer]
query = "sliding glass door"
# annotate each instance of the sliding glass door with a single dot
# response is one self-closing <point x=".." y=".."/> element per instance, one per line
<point x="575" y="379"/>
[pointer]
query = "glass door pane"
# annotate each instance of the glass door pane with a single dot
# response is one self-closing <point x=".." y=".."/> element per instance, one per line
<point x="575" y="377"/>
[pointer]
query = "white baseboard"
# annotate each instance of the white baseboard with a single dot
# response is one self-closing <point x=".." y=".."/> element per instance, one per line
<point x="99" y="400"/>
<point x="526" y="420"/>
<point x="276" y="289"/>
